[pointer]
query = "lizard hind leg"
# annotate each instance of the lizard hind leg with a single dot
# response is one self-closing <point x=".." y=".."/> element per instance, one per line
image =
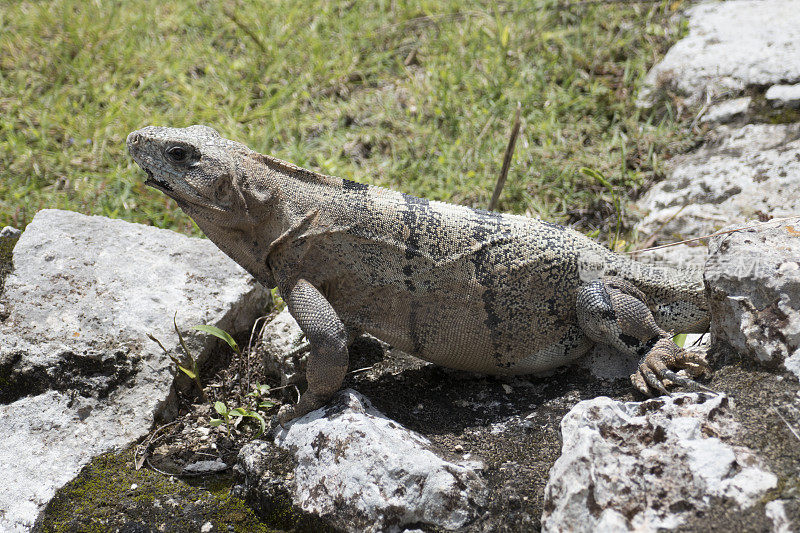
<point x="612" y="311"/>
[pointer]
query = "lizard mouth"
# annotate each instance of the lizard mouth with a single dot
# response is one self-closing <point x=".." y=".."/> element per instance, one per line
<point x="156" y="183"/>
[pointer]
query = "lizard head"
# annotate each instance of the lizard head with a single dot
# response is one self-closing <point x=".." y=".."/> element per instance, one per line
<point x="194" y="166"/>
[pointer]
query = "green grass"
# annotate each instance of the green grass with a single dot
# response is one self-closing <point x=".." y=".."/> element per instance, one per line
<point x="423" y="91"/>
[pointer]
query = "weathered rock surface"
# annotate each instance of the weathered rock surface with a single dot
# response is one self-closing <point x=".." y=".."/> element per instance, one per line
<point x="727" y="111"/>
<point x="9" y="232"/>
<point x="278" y="344"/>
<point x="784" y="95"/>
<point x="731" y="45"/>
<point x="78" y="374"/>
<point x="739" y="175"/>
<point x="777" y="513"/>
<point x="735" y="48"/>
<point x="753" y="281"/>
<point x="360" y="471"/>
<point x="639" y="466"/>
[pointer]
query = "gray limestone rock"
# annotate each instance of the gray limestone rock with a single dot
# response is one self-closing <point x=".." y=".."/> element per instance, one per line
<point x="79" y="375"/>
<point x="9" y="232"/>
<point x="731" y="45"/>
<point x="753" y="282"/>
<point x="357" y="470"/>
<point x="727" y="111"/>
<point x="200" y="468"/>
<point x="776" y="512"/>
<point x="739" y="175"/>
<point x="278" y="343"/>
<point x="642" y="466"/>
<point x="784" y="95"/>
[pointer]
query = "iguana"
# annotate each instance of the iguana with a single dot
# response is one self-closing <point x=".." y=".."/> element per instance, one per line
<point x="460" y="287"/>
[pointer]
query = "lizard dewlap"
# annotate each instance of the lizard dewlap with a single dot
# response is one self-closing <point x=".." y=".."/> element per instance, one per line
<point x="461" y="287"/>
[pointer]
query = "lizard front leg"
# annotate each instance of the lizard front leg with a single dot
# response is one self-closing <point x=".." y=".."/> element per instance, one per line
<point x="614" y="312"/>
<point x="328" y="338"/>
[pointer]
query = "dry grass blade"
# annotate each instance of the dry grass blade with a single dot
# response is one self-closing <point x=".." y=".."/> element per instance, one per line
<point x="512" y="142"/>
<point x="788" y="425"/>
<point x="652" y="238"/>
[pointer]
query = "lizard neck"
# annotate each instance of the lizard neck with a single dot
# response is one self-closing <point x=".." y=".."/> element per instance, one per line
<point x="261" y="207"/>
<point x="276" y="201"/>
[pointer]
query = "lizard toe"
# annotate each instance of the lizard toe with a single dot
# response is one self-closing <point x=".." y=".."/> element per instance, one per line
<point x="686" y="382"/>
<point x="652" y="378"/>
<point x="666" y="356"/>
<point x="694" y="363"/>
<point x="285" y="414"/>
<point x="640" y="384"/>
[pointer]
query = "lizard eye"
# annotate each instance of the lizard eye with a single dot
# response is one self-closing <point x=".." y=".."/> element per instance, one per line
<point x="177" y="153"/>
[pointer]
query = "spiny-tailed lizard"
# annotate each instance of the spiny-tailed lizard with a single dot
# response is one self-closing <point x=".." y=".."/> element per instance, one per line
<point x="461" y="287"/>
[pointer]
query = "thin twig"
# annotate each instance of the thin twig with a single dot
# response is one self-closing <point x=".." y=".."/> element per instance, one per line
<point x="195" y="367"/>
<point x="721" y="232"/>
<point x="512" y="142"/>
<point x="281" y="387"/>
<point x="140" y="461"/>
<point x="702" y="112"/>
<point x="361" y="370"/>
<point x="162" y="472"/>
<point x="787" y="423"/>
<point x="249" y="350"/>
<point x="152" y="338"/>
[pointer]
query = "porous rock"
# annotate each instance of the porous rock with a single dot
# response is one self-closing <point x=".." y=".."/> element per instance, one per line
<point x="730" y="46"/>
<point x="642" y="466"/>
<point x="357" y="470"/>
<point x="79" y="376"/>
<point x="277" y="345"/>
<point x="199" y="468"/>
<point x="784" y="95"/>
<point x="727" y="111"/>
<point x="753" y="282"/>
<point x="739" y="175"/>
<point x="9" y="232"/>
<point x="776" y="512"/>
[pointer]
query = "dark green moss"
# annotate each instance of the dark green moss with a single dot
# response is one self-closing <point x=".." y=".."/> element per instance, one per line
<point x="110" y="495"/>
<point x="763" y="111"/>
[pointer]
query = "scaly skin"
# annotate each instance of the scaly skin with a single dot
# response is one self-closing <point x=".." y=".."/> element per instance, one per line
<point x="463" y="288"/>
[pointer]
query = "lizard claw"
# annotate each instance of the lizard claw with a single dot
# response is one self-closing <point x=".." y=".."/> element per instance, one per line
<point x="655" y="368"/>
<point x="686" y="382"/>
<point x="285" y="415"/>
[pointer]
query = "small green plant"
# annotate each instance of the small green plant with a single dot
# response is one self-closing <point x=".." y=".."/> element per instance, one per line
<point x="259" y="393"/>
<point x="229" y="417"/>
<point x="220" y="334"/>
<point x="601" y="179"/>
<point x="189" y="366"/>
